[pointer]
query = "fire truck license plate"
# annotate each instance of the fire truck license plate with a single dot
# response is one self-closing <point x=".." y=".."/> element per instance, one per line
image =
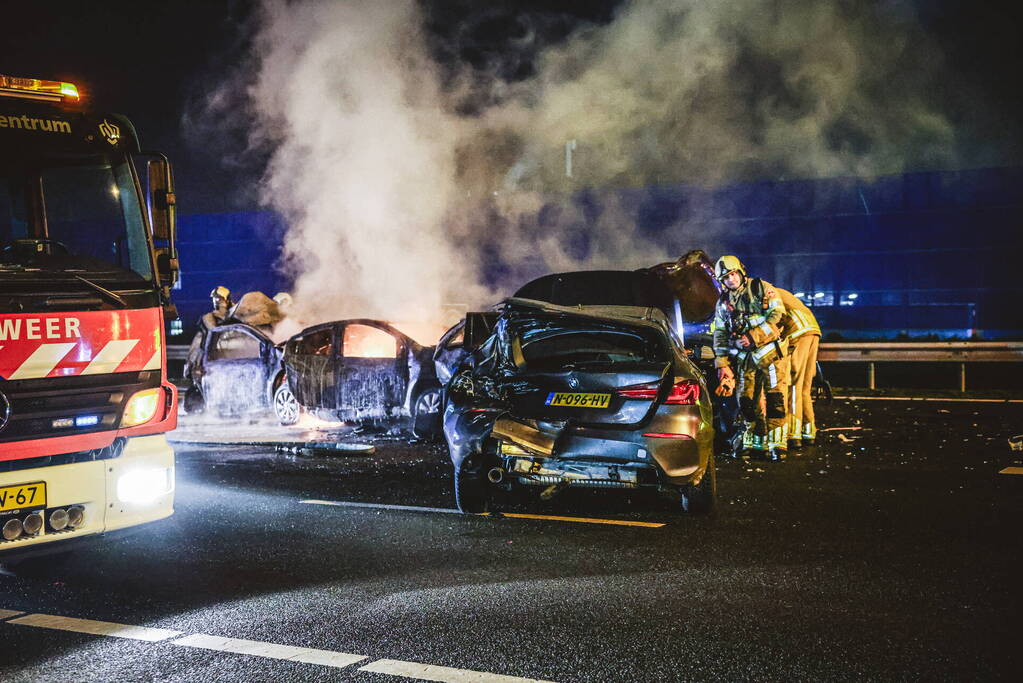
<point x="23" y="496"/>
<point x="557" y="398"/>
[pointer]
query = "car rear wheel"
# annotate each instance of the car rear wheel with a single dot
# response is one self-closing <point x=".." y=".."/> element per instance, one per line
<point x="700" y="498"/>
<point x="193" y="402"/>
<point x="426" y="414"/>
<point x="471" y="486"/>
<point x="286" y="405"/>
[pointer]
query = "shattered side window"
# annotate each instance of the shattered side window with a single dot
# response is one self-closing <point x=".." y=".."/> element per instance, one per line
<point x="456" y="341"/>
<point x="363" y="341"/>
<point x="316" y="343"/>
<point x="234" y="345"/>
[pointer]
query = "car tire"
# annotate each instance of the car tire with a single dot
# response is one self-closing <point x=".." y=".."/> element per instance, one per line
<point x="286" y="406"/>
<point x="700" y="498"/>
<point x="471" y="486"/>
<point x="426" y="413"/>
<point x="193" y="402"/>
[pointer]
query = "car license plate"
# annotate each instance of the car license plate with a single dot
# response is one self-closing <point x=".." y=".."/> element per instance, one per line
<point x="558" y="398"/>
<point x="23" y="496"/>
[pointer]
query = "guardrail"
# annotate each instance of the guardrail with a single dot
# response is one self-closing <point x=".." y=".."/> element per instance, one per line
<point x="921" y="352"/>
<point x="876" y="352"/>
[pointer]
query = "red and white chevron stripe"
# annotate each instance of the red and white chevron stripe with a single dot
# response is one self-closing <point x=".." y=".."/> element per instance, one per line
<point x="82" y="343"/>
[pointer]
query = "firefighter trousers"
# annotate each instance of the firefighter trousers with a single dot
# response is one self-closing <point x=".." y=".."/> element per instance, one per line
<point x="804" y="367"/>
<point x="762" y="400"/>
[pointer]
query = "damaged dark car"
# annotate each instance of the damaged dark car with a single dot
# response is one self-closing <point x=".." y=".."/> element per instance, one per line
<point x="363" y="371"/>
<point x="595" y="396"/>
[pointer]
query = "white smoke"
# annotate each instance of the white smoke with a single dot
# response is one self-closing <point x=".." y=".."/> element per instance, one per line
<point x="397" y="203"/>
<point x="362" y="166"/>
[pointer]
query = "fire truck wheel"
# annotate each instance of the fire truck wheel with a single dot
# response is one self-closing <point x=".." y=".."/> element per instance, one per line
<point x="193" y="402"/>
<point x="286" y="405"/>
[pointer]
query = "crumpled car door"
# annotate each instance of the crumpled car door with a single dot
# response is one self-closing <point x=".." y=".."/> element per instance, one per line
<point x="373" y="373"/>
<point x="311" y="362"/>
<point x="234" y="378"/>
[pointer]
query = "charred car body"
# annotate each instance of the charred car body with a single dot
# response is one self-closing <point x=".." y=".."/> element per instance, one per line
<point x="591" y="396"/>
<point x="359" y="371"/>
<point x="237" y="370"/>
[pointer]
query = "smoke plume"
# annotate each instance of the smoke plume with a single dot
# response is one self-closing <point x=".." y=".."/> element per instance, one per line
<point x="411" y="176"/>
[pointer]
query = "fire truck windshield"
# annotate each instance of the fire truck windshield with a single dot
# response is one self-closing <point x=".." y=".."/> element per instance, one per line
<point x="75" y="216"/>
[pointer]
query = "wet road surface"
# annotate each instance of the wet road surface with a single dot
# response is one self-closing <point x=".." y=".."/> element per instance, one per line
<point x="890" y="551"/>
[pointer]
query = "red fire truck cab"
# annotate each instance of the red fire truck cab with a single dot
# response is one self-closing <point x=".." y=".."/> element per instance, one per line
<point x="87" y="260"/>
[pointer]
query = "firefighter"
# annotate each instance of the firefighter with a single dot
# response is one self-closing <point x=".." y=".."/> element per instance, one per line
<point x="220" y="298"/>
<point x="748" y="345"/>
<point x="803" y="334"/>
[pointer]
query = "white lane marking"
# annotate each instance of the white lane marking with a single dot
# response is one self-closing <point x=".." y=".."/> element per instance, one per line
<point x="96" y="628"/>
<point x="429" y="672"/>
<point x="256" y="648"/>
<point x="42" y="361"/>
<point x="260" y="649"/>
<point x="110" y="356"/>
<point x="380" y="506"/>
<point x="1012" y="470"/>
<point x="514" y="515"/>
<point x="931" y="400"/>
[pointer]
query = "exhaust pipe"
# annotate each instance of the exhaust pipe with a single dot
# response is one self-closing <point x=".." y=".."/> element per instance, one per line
<point x="495" y="475"/>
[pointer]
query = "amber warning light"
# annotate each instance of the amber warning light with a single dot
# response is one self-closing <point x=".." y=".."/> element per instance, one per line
<point x="35" y="89"/>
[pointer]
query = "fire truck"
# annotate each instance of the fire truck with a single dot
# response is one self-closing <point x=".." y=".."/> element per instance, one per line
<point x="87" y="261"/>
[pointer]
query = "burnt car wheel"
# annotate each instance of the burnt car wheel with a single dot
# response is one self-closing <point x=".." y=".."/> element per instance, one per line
<point x="471" y="487"/>
<point x="193" y="401"/>
<point x="700" y="499"/>
<point x="426" y="414"/>
<point x="286" y="405"/>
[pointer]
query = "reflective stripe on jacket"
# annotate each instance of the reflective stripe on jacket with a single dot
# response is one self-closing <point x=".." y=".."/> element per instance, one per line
<point x="755" y="310"/>
<point x="799" y="319"/>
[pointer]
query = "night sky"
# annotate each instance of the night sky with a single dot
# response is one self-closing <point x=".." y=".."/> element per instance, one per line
<point x="154" y="60"/>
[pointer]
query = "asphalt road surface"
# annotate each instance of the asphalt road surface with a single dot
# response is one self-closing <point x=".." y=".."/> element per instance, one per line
<point x="890" y="551"/>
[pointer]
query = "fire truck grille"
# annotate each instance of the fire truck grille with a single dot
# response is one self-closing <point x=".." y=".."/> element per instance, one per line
<point x="68" y="406"/>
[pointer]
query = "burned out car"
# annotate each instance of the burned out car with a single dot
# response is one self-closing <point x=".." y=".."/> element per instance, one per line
<point x="236" y="370"/>
<point x="580" y="396"/>
<point x="359" y="371"/>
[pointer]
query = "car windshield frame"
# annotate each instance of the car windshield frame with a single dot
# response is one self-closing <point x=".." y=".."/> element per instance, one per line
<point x="83" y="202"/>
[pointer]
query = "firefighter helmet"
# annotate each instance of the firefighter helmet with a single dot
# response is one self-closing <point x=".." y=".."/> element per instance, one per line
<point x="726" y="265"/>
<point x="221" y="292"/>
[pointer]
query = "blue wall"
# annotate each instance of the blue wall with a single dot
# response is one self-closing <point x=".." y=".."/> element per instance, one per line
<point x="924" y="253"/>
<point x="237" y="250"/>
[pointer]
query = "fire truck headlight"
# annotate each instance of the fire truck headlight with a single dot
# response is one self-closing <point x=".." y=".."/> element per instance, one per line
<point x="142" y="407"/>
<point x="143" y="486"/>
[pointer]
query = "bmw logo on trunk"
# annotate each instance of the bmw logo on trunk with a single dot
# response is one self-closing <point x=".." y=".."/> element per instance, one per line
<point x="5" y="410"/>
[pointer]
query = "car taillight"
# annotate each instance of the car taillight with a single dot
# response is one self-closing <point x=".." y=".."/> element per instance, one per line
<point x="683" y="393"/>
<point x="646" y="392"/>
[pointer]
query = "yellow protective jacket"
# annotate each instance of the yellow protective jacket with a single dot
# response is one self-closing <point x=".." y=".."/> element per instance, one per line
<point x="754" y="311"/>
<point x="798" y="320"/>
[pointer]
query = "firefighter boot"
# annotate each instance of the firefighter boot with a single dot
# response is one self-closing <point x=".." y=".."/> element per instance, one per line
<point x="752" y="445"/>
<point x="776" y="441"/>
<point x="809" y="435"/>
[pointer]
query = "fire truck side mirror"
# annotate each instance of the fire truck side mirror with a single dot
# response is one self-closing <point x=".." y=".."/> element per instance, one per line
<point x="162" y="204"/>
